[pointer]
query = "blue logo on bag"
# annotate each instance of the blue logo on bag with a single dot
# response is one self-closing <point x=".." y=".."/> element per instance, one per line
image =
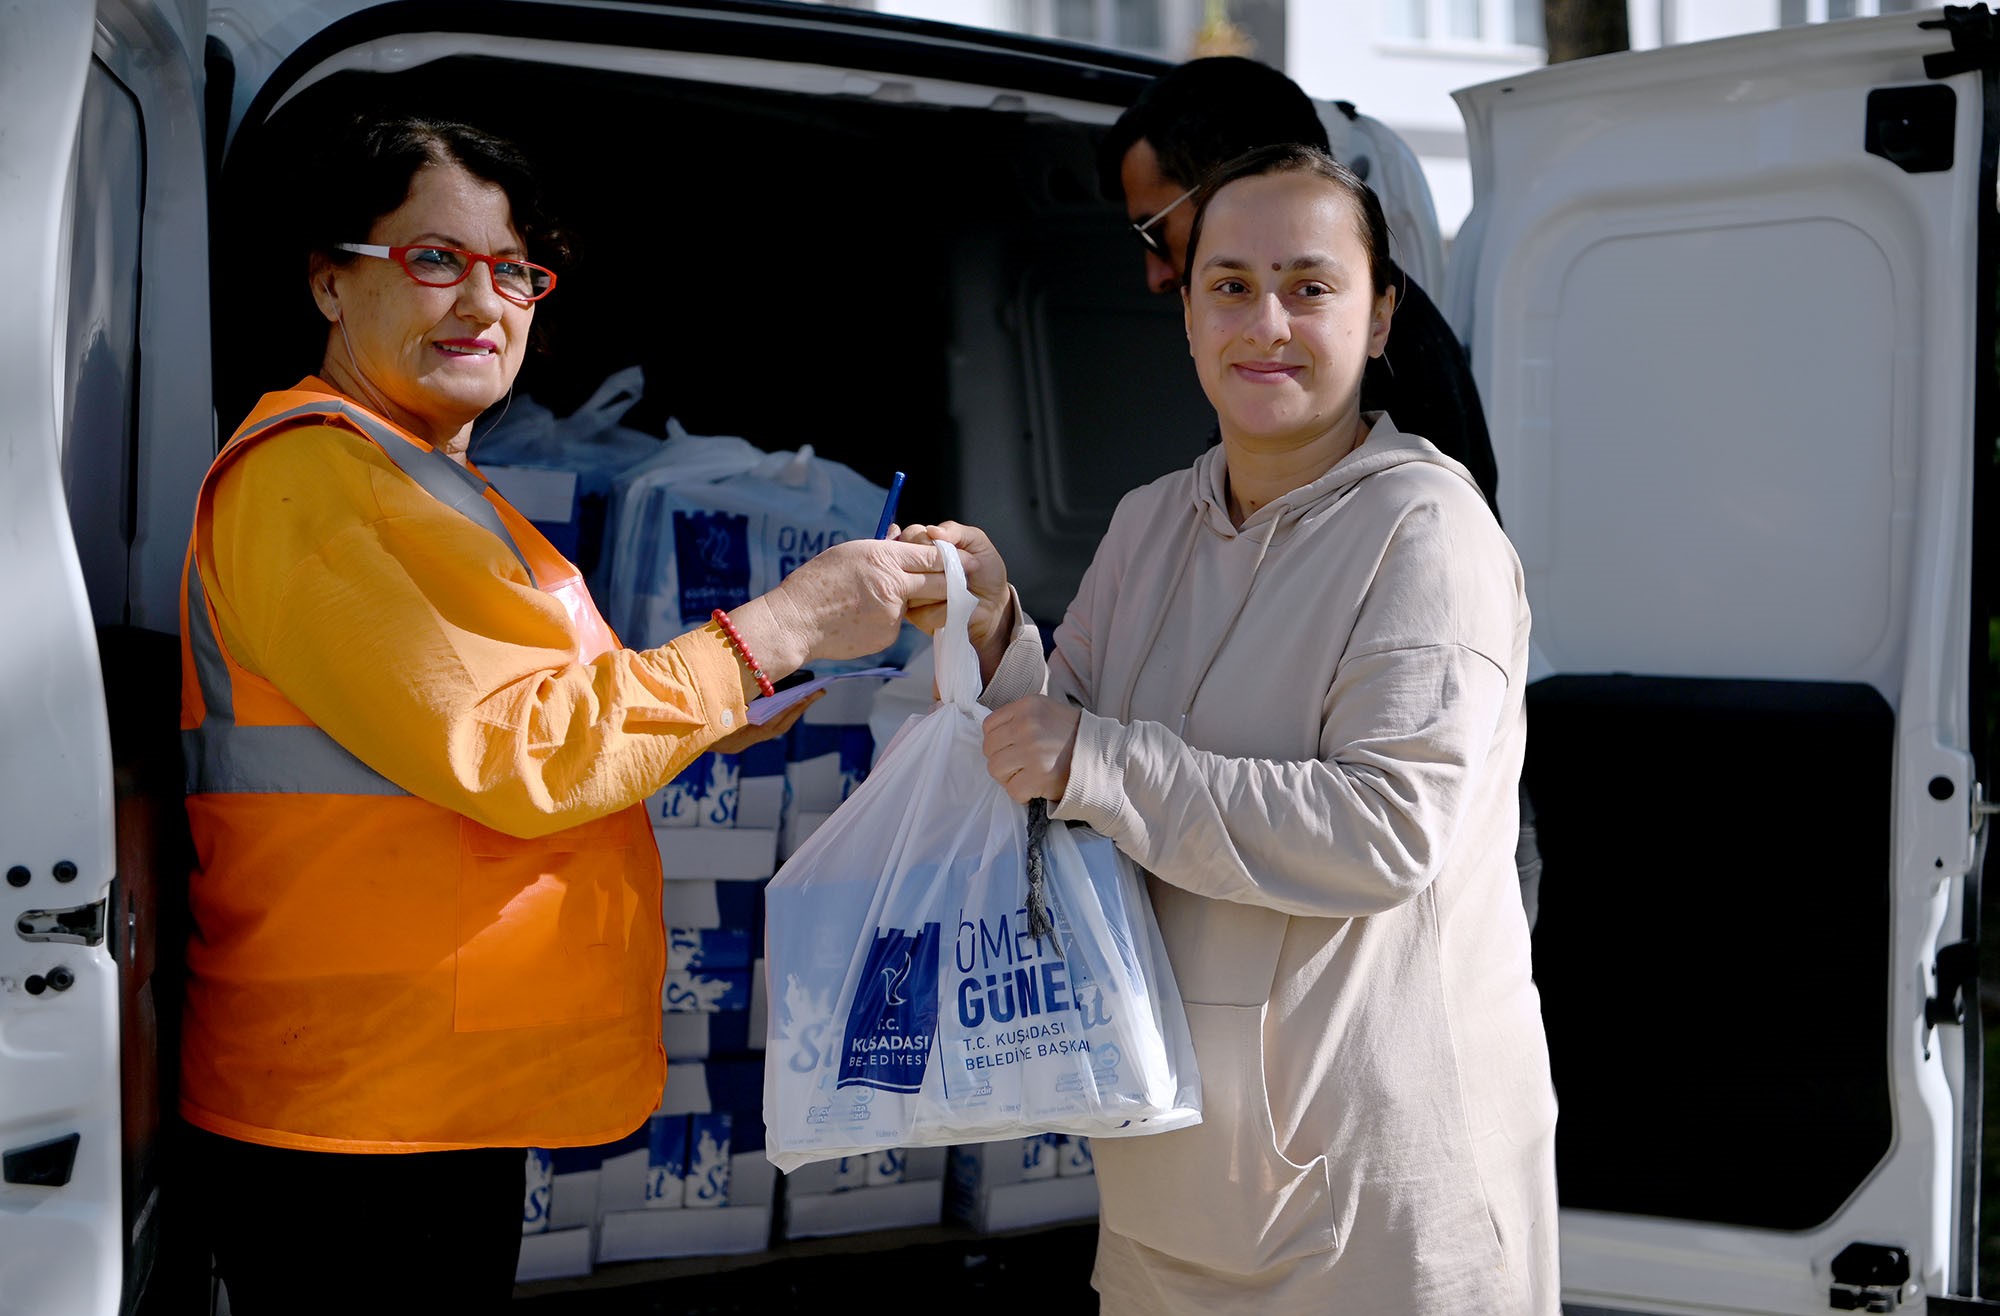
<point x="712" y="558"/>
<point x="892" y="1024"/>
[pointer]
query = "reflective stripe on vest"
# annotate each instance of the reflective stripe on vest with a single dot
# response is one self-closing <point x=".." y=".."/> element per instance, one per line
<point x="222" y="757"/>
<point x="438" y="475"/>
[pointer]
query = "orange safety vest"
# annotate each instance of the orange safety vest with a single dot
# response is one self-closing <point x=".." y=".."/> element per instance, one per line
<point x="371" y="972"/>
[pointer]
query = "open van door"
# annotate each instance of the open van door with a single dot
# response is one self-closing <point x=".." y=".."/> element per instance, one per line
<point x="1731" y="310"/>
<point x="104" y="218"/>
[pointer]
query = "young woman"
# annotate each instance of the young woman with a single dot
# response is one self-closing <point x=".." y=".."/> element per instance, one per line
<point x="1290" y="687"/>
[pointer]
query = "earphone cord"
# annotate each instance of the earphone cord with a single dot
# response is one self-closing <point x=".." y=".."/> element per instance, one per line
<point x="374" y="399"/>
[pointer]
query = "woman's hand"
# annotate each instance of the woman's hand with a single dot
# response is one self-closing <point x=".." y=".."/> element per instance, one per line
<point x="992" y="621"/>
<point x="1029" y="744"/>
<point x="751" y="734"/>
<point x="843" y="603"/>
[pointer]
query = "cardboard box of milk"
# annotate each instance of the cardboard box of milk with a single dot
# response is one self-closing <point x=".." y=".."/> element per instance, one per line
<point x="540" y="1196"/>
<point x="709" y="1159"/>
<point x="666" y="1161"/>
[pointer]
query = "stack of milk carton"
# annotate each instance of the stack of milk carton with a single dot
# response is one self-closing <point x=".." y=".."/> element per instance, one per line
<point x="1022" y="1181"/>
<point x="890" y="1189"/>
<point x="718" y="820"/>
<point x="824" y="761"/>
<point x="695" y="1182"/>
<point x="557" y="1232"/>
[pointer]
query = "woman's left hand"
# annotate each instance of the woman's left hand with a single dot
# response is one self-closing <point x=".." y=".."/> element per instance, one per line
<point x="751" y="734"/>
<point x="1028" y="747"/>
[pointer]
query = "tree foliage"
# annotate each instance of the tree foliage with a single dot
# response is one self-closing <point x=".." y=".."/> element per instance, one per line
<point x="1578" y="29"/>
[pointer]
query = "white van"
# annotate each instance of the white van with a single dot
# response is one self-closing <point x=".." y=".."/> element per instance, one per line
<point x="1731" y="308"/>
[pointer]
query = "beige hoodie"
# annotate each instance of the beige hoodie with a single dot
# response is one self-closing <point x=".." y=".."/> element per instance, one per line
<point x="1309" y="732"/>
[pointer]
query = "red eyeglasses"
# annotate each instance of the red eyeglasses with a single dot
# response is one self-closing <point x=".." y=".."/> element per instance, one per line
<point x="519" y="281"/>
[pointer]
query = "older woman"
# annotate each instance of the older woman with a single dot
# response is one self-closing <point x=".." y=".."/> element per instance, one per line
<point x="427" y="905"/>
<point x="1290" y="687"/>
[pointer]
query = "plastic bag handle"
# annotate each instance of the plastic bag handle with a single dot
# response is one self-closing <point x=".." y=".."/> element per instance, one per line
<point x="617" y="395"/>
<point x="956" y="660"/>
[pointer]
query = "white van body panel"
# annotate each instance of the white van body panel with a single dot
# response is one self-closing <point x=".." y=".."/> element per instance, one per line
<point x="394" y="54"/>
<point x="59" y="1049"/>
<point x="1726" y="357"/>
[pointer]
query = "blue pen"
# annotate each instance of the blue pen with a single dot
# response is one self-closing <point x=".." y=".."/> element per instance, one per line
<point x="889" y="506"/>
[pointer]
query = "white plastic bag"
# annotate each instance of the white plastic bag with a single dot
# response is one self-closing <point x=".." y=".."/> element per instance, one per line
<point x="910" y="1005"/>
<point x="589" y="440"/>
<point x="712" y="521"/>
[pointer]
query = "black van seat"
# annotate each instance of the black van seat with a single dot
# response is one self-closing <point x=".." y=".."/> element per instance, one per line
<point x="1715" y="1025"/>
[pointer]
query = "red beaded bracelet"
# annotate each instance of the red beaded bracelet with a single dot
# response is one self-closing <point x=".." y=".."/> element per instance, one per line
<point x="721" y="618"/>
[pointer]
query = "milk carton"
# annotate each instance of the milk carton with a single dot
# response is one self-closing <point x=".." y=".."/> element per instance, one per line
<point x="716" y="991"/>
<point x="703" y="949"/>
<point x="667" y="1161"/>
<point x="1039" y="1155"/>
<point x="681" y="802"/>
<point x="708" y="1159"/>
<point x="851" y="1173"/>
<point x="884" y="1167"/>
<point x="535" y="1210"/>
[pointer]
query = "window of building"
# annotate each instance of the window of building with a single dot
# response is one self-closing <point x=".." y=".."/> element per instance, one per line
<point x="1153" y="27"/>
<point x="1791" y="13"/>
<point x="1502" y="23"/>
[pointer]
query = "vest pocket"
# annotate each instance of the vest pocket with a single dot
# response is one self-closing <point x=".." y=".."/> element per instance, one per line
<point x="1220" y="1194"/>
<point x="544" y="926"/>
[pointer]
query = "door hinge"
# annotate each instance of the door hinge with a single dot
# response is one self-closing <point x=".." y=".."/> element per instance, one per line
<point x="80" y="925"/>
<point x="1975" y="41"/>
<point x="1957" y="974"/>
<point x="1982" y="808"/>
<point x="1869" y="1277"/>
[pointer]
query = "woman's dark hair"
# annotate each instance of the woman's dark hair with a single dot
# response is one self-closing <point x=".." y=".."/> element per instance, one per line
<point x="365" y="171"/>
<point x="1369" y="224"/>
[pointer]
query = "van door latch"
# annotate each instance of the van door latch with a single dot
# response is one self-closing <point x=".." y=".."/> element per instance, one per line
<point x="80" y="925"/>
<point x="1957" y="973"/>
<point x="1869" y="1277"/>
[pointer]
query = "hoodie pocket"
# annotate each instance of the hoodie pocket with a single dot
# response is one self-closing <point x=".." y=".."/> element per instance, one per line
<point x="1220" y="1194"/>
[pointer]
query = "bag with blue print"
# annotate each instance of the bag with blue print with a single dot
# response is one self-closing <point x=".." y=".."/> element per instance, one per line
<point x="935" y="976"/>
<point x="712" y="521"/>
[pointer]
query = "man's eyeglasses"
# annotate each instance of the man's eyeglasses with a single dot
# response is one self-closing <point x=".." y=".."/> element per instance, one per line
<point x="1151" y="240"/>
<point x="519" y="281"/>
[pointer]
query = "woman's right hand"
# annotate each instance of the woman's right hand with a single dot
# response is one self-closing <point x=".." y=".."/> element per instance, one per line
<point x="845" y="602"/>
<point x="992" y="623"/>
